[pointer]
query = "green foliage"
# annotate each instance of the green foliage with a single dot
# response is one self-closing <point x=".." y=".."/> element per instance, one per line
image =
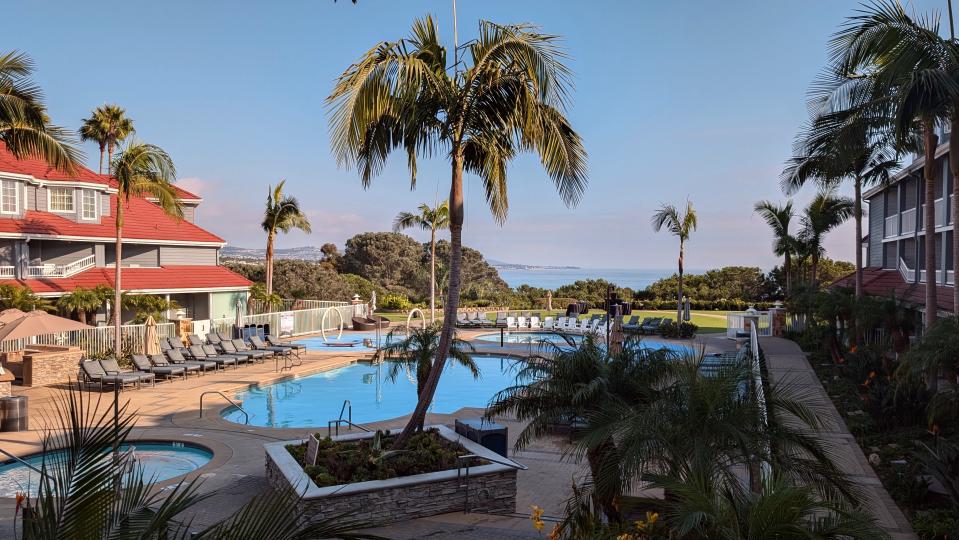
<point x="22" y="298"/>
<point x="938" y="524"/>
<point x="670" y="329"/>
<point x="148" y="305"/>
<point x="736" y="283"/>
<point x="395" y="302"/>
<point x="591" y="291"/>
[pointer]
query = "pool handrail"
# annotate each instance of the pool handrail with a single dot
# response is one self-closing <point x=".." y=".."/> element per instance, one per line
<point x="20" y="461"/>
<point x="331" y="423"/>
<point x="348" y="407"/>
<point x="224" y="396"/>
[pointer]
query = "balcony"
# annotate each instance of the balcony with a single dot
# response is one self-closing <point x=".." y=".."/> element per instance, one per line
<point x="48" y="271"/>
<point x="908" y="221"/>
<point x="892" y="226"/>
<point x="940" y="205"/>
<point x="907" y="273"/>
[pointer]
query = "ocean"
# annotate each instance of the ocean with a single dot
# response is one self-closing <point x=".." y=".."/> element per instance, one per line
<point x="554" y="278"/>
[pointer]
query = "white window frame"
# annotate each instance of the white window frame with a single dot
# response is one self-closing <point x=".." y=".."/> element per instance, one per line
<point x="73" y="199"/>
<point x="16" y="196"/>
<point x="96" y="203"/>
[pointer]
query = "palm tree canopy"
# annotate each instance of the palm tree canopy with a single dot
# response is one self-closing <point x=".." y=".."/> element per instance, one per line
<point x="25" y="129"/>
<point x="80" y="299"/>
<point x="108" y="125"/>
<point x="428" y="219"/>
<point x="283" y="212"/>
<point x="778" y="218"/>
<point x="825" y="212"/>
<point x="506" y="96"/>
<point x="144" y="169"/>
<point x="678" y="225"/>
<point x="417" y="351"/>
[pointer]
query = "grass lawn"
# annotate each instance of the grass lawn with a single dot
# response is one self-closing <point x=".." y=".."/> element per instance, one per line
<point x="709" y="322"/>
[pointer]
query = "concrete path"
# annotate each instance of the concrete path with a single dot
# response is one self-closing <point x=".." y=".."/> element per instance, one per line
<point x="787" y="362"/>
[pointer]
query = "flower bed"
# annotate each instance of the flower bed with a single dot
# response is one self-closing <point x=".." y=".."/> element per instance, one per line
<point x="379" y="494"/>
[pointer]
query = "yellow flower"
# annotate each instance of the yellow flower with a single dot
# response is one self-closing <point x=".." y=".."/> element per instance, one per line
<point x="538" y="524"/>
<point x="640" y="525"/>
<point x="535" y="516"/>
<point x="652" y="517"/>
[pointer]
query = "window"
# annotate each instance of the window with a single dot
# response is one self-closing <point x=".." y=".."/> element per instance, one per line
<point x="9" y="191"/>
<point x="61" y="199"/>
<point x="88" y="204"/>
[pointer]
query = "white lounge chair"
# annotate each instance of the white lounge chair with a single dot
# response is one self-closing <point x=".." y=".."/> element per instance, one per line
<point x="534" y="323"/>
<point x="521" y="322"/>
<point x="548" y="323"/>
<point x="511" y="323"/>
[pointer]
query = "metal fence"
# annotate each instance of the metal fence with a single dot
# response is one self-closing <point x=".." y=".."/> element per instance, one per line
<point x="736" y="324"/>
<point x="297" y="322"/>
<point x="94" y="341"/>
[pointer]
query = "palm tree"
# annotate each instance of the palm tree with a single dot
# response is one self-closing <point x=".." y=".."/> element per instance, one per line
<point x="82" y="301"/>
<point x="680" y="226"/>
<point x="784" y="244"/>
<point x="505" y="92"/>
<point x="25" y="129"/>
<point x="417" y="351"/>
<point x="825" y="212"/>
<point x="139" y="170"/>
<point x="282" y="214"/>
<point x="894" y="66"/>
<point x="108" y="126"/>
<point x="22" y="298"/>
<point x="429" y="219"/>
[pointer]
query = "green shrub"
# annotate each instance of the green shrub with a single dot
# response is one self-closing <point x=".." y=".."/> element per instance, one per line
<point x="940" y="523"/>
<point x="395" y="302"/>
<point x="670" y="329"/>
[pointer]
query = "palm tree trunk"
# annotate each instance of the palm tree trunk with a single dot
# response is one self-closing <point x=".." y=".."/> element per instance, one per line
<point x="452" y="301"/>
<point x="110" y="159"/>
<point x="679" y="300"/>
<point x="929" y="220"/>
<point x="102" y="149"/>
<point x="857" y="214"/>
<point x="117" y="335"/>
<point x="269" y="262"/>
<point x="82" y="315"/>
<point x="597" y="457"/>
<point x="954" y="165"/>
<point x="433" y="276"/>
<point x="814" y="266"/>
<point x="787" y="269"/>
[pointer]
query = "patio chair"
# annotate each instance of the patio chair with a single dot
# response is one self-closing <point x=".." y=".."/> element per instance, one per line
<point x="111" y="367"/>
<point x="92" y="372"/>
<point x="241" y="346"/>
<point x="207" y="354"/>
<point x="213" y="338"/>
<point x="511" y="323"/>
<point x="176" y="358"/>
<point x="228" y="348"/>
<point x="224" y="336"/>
<point x="651" y="327"/>
<point x="462" y="319"/>
<point x="276" y="342"/>
<point x="534" y="323"/>
<point x="633" y="323"/>
<point x="142" y="363"/>
<point x="521" y="322"/>
<point x="195" y="340"/>
<point x="548" y="323"/>
<point x="278" y="350"/>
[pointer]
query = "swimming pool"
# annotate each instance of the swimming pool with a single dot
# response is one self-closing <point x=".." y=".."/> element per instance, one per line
<point x="316" y="399"/>
<point x="348" y="342"/>
<point x="535" y="338"/>
<point x="160" y="461"/>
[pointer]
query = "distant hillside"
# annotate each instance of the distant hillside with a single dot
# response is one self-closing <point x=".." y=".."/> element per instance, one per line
<point x="519" y="266"/>
<point x="304" y="253"/>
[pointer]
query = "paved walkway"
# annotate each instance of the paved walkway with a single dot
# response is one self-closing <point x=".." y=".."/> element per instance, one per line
<point x="786" y="361"/>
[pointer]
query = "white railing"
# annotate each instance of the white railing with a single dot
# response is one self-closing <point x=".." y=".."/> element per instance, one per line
<point x="302" y="321"/>
<point x="907" y="273"/>
<point x="758" y="390"/>
<point x="7" y="272"/>
<point x="736" y="323"/>
<point x="908" y="222"/>
<point x="93" y="341"/>
<point x="892" y="226"/>
<point x="61" y="270"/>
<point x="952" y="218"/>
<point x="940" y="206"/>
<point x="950" y="277"/>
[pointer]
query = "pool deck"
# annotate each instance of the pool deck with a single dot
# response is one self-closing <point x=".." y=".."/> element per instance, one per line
<point x="170" y="411"/>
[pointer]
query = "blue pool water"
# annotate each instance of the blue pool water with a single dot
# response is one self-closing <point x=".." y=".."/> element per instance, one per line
<point x="535" y="338"/>
<point x="354" y="340"/>
<point x="160" y="461"/>
<point x="316" y="399"/>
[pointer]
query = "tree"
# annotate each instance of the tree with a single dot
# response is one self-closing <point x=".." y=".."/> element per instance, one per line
<point x="82" y="301"/>
<point x="25" y="129"/>
<point x="784" y="244"/>
<point x="506" y="95"/>
<point x="282" y="214"/>
<point x="417" y="351"/>
<point x="22" y="298"/>
<point x="680" y="226"/>
<point x="429" y="219"/>
<point x="260" y="298"/>
<point x="825" y="212"/>
<point x="141" y="169"/>
<point x="108" y="126"/>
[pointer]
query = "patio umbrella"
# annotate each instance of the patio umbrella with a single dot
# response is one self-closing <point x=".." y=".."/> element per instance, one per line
<point x="9" y="315"/>
<point x="37" y="323"/>
<point x="151" y="341"/>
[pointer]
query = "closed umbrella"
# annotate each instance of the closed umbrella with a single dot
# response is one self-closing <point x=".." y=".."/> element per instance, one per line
<point x="36" y="323"/>
<point x="239" y="317"/>
<point x="151" y="341"/>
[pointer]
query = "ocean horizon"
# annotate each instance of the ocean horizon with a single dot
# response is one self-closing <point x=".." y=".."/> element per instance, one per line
<point x="552" y="278"/>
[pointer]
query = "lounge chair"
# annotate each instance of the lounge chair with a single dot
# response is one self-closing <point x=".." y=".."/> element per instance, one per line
<point x="194" y="339"/>
<point x="633" y="323"/>
<point x="521" y="323"/>
<point x="548" y="323"/>
<point x="93" y="372"/>
<point x="462" y="320"/>
<point x="208" y="354"/>
<point x="278" y="350"/>
<point x="534" y="323"/>
<point x="111" y="367"/>
<point x="143" y="364"/>
<point x="241" y="346"/>
<point x="175" y="357"/>
<point x="227" y="348"/>
<point x="276" y="342"/>
<point x="651" y="327"/>
<point x="511" y="323"/>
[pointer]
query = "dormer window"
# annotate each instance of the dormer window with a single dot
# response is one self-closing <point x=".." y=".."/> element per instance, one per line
<point x="61" y="199"/>
<point x="9" y="197"/>
<point x="88" y="204"/>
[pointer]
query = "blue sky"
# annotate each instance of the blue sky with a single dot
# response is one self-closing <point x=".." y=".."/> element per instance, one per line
<point x="673" y="100"/>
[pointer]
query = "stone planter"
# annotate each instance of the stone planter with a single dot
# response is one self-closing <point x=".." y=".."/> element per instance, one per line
<point x="491" y="488"/>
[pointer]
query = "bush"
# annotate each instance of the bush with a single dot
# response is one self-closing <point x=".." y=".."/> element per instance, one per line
<point x="939" y="523"/>
<point x="396" y="302"/>
<point x="670" y="329"/>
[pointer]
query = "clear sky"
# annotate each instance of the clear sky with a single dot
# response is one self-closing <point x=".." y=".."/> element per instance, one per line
<point x="674" y="99"/>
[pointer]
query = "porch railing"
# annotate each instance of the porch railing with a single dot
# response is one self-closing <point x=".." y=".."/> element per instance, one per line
<point x="908" y="222"/>
<point x="51" y="270"/>
<point x="295" y="322"/>
<point x="94" y="341"/>
<point x="736" y="324"/>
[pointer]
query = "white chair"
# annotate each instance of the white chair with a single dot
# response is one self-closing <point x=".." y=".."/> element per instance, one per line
<point x="548" y="323"/>
<point x="521" y="322"/>
<point x="511" y="323"/>
<point x="534" y="323"/>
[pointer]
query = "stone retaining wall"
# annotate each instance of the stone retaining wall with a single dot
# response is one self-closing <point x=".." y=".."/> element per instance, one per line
<point x="45" y="365"/>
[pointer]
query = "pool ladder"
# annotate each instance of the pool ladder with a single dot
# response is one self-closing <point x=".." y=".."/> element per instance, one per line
<point x="335" y="424"/>
<point x="246" y="415"/>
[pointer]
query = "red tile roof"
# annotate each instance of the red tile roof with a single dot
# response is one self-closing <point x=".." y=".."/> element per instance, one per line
<point x="886" y="282"/>
<point x="165" y="278"/>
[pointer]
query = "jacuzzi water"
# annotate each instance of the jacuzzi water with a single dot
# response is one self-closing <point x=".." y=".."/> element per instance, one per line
<point x="160" y="461"/>
<point x="316" y="399"/>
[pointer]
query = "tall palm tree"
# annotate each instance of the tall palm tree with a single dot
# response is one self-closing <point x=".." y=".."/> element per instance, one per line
<point x="784" y="244"/>
<point x="429" y="219"/>
<point x="139" y="170"/>
<point x="109" y="126"/>
<point x="82" y="301"/>
<point x="681" y="226"/>
<point x="823" y="214"/>
<point x="282" y="213"/>
<point x="505" y="92"/>
<point x="894" y="66"/>
<point x="25" y="129"/>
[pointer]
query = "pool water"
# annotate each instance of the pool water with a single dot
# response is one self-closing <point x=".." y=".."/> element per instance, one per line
<point x="348" y="342"/>
<point x="314" y="400"/>
<point x="553" y="338"/>
<point x="160" y="461"/>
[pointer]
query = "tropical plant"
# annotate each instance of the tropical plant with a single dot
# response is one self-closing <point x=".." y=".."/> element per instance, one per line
<point x="416" y="353"/>
<point x="108" y="126"/>
<point x="22" y="298"/>
<point x="282" y="213"/>
<point x="429" y="219"/>
<point x="506" y="94"/>
<point x="82" y="301"/>
<point x="937" y="352"/>
<point x="259" y="298"/>
<point x="140" y="169"/>
<point x="681" y="226"/>
<point x="148" y="305"/>
<point x="823" y="214"/>
<point x="25" y="129"/>
<point x="784" y="244"/>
